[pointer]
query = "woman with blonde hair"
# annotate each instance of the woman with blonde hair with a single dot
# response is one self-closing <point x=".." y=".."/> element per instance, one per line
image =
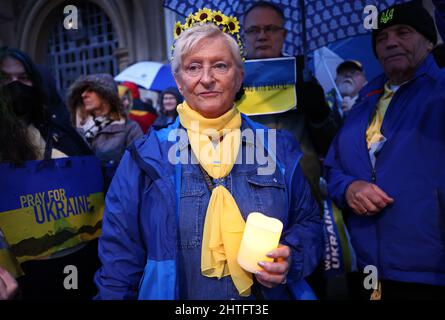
<point x="175" y="215"/>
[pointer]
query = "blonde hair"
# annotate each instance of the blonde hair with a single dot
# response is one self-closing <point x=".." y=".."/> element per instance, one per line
<point x="189" y="38"/>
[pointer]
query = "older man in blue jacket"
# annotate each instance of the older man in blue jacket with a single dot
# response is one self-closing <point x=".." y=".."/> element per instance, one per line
<point x="386" y="166"/>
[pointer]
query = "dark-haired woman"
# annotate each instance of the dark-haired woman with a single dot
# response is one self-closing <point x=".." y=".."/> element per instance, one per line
<point x="29" y="132"/>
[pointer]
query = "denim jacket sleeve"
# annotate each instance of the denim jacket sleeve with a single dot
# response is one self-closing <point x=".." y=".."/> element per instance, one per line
<point x="121" y="248"/>
<point x="304" y="231"/>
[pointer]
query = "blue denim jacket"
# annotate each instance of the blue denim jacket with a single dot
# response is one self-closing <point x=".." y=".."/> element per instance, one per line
<point x="151" y="248"/>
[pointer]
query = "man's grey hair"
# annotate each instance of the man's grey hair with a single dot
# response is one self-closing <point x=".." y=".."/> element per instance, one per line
<point x="189" y="38"/>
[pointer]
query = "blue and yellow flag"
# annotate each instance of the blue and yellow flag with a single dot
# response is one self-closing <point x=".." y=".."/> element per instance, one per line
<point x="269" y="86"/>
<point x="50" y="205"/>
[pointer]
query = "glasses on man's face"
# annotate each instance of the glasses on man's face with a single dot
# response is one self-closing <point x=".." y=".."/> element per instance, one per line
<point x="268" y="30"/>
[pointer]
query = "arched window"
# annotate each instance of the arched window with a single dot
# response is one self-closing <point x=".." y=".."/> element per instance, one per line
<point x="87" y="50"/>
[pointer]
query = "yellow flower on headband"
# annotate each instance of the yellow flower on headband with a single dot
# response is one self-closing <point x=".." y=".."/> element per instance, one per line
<point x="219" y="18"/>
<point x="204" y="15"/>
<point x="189" y="21"/>
<point x="178" y="30"/>
<point x="232" y="25"/>
<point x="229" y="25"/>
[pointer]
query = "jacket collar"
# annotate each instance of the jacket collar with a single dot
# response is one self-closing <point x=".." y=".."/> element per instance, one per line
<point x="244" y="126"/>
<point x="428" y="68"/>
<point x="152" y="145"/>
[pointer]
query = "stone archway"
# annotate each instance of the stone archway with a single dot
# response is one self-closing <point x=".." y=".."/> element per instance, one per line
<point x="39" y="16"/>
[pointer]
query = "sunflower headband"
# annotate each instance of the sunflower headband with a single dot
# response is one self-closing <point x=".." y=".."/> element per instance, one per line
<point x="227" y="24"/>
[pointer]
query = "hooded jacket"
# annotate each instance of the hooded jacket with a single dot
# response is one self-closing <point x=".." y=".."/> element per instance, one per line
<point x="109" y="144"/>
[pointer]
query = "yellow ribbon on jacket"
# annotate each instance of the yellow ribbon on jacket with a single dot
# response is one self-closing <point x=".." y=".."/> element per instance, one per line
<point x="216" y="143"/>
<point x="373" y="133"/>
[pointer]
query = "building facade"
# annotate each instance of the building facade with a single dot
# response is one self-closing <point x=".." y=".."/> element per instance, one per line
<point x="110" y="34"/>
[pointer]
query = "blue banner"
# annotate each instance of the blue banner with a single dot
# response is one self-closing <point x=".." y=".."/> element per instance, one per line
<point x="50" y="205"/>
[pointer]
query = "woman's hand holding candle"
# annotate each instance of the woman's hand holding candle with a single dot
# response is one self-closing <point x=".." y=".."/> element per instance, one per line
<point x="274" y="273"/>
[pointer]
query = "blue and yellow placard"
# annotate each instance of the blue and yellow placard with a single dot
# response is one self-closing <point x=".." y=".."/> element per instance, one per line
<point x="51" y="205"/>
<point x="269" y="86"/>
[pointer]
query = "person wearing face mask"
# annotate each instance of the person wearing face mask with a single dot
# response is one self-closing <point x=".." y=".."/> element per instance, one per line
<point x="168" y="100"/>
<point x="24" y="96"/>
<point x="350" y="80"/>
<point x="29" y="132"/>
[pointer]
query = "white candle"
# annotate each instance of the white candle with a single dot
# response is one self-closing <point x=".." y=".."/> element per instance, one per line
<point x="261" y="235"/>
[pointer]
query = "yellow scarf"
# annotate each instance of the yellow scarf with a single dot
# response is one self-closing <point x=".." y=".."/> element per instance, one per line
<point x="373" y="133"/>
<point x="224" y="224"/>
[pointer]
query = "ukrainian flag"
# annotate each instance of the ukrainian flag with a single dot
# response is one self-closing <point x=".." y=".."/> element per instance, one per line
<point x="269" y="86"/>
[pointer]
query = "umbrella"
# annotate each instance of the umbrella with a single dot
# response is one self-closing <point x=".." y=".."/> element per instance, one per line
<point x="325" y="65"/>
<point x="440" y="17"/>
<point x="311" y="24"/>
<point x="150" y="75"/>
<point x="326" y="59"/>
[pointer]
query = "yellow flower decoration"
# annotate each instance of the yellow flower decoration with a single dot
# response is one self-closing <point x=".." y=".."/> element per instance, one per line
<point x="227" y="24"/>
<point x="219" y="18"/>
<point x="178" y="29"/>
<point x="189" y="21"/>
<point x="204" y="15"/>
<point x="232" y="25"/>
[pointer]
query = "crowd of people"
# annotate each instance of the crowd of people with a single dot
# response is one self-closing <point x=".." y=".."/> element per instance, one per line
<point x="172" y="228"/>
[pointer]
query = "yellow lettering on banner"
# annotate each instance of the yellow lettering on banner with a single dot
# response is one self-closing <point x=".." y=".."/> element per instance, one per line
<point x="22" y="201"/>
<point x="37" y="199"/>
<point x="46" y="218"/>
<point x="30" y="200"/>
<point x="51" y="195"/>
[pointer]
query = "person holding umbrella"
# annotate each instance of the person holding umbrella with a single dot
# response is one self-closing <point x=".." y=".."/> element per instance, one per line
<point x="314" y="125"/>
<point x="172" y="228"/>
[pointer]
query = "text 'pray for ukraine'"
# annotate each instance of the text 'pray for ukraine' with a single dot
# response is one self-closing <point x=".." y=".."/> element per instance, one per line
<point x="54" y="205"/>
